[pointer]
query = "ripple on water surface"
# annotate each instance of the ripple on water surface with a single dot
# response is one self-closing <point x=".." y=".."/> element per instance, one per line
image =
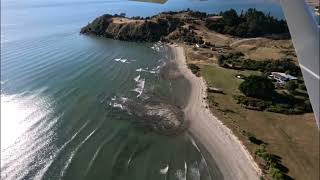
<point x="57" y="120"/>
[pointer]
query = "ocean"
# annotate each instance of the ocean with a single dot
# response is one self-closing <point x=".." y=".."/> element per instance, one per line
<point x="64" y="96"/>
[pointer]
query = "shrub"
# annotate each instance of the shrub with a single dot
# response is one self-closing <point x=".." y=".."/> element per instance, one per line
<point x="307" y="106"/>
<point x="272" y="163"/>
<point x="259" y="104"/>
<point x="261" y="151"/>
<point x="194" y="68"/>
<point x="285" y="109"/>
<point x="276" y="174"/>
<point x="261" y="178"/>
<point x="302" y="87"/>
<point x="257" y="86"/>
<point x="291" y="86"/>
<point x="252" y="138"/>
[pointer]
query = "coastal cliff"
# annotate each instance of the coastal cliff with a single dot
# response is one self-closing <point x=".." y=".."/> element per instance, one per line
<point x="164" y="26"/>
<point x="185" y="26"/>
<point x="129" y="29"/>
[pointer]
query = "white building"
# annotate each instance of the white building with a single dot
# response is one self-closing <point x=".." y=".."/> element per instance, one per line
<point x="282" y="78"/>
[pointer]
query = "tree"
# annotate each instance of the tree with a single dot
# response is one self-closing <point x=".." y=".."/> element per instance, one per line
<point x="291" y="86"/>
<point x="251" y="23"/>
<point x="257" y="86"/>
<point x="221" y="60"/>
<point x="230" y="17"/>
<point x="302" y="87"/>
<point x="122" y="15"/>
<point x="276" y="173"/>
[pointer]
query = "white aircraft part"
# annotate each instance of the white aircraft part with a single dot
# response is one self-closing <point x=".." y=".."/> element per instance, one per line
<point x="305" y="36"/>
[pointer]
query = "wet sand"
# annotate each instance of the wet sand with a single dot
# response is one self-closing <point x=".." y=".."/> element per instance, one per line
<point x="226" y="149"/>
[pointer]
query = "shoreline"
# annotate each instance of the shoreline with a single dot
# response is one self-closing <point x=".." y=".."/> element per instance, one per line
<point x="231" y="156"/>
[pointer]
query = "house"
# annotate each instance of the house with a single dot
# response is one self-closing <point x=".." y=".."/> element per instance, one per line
<point x="282" y="78"/>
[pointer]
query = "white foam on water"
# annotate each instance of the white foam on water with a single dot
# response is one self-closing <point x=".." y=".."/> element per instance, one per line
<point x="42" y="172"/>
<point x="122" y="60"/>
<point x="194" y="171"/>
<point x="128" y="163"/>
<point x="182" y="175"/>
<point x="118" y="102"/>
<point x="142" y="70"/>
<point x="164" y="170"/>
<point x="137" y="78"/>
<point x="156" y="46"/>
<point x="74" y="152"/>
<point x="123" y="99"/>
<point x="194" y="144"/>
<point x="118" y="59"/>
<point x="140" y="87"/>
<point x="117" y="105"/>
<point x="154" y="70"/>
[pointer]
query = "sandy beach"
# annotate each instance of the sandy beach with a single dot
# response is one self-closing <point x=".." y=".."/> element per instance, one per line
<point x="226" y="149"/>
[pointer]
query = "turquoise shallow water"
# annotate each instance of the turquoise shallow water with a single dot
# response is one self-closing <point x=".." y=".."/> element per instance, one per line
<point x="61" y="94"/>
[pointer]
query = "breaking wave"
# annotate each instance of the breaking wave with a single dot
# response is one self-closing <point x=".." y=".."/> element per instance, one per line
<point x="140" y="85"/>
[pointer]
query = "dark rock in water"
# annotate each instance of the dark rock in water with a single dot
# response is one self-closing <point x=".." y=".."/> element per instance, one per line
<point x="164" y="118"/>
<point x="157" y="115"/>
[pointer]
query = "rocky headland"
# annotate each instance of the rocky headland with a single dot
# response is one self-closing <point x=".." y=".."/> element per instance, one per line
<point x="185" y="26"/>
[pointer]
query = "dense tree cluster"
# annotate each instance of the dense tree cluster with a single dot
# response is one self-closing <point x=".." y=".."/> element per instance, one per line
<point x="194" y="69"/>
<point x="237" y="61"/>
<point x="261" y="95"/>
<point x="291" y="86"/>
<point x="189" y="36"/>
<point x="197" y="14"/>
<point x="257" y="86"/>
<point x="251" y="23"/>
<point x="186" y="35"/>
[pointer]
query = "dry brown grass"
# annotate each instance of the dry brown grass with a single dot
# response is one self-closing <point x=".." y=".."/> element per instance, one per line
<point x="295" y="138"/>
<point x="125" y="20"/>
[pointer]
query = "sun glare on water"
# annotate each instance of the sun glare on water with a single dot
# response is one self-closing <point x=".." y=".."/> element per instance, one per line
<point x="13" y="115"/>
<point x="19" y="115"/>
